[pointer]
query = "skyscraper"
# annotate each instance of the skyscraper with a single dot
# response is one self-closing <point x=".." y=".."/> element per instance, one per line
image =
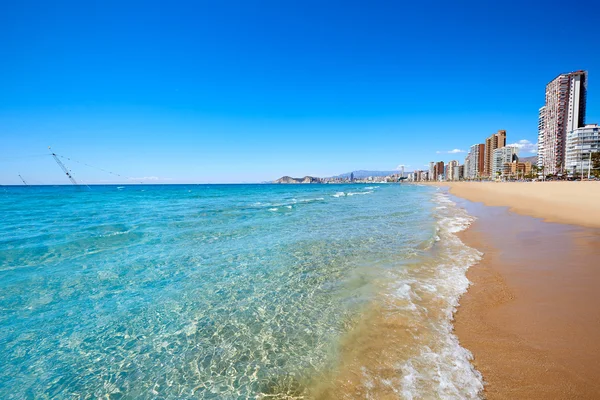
<point x="563" y="112"/>
<point x="495" y="141"/>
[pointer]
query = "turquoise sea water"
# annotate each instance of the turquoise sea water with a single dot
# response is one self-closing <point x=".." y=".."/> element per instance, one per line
<point x="202" y="291"/>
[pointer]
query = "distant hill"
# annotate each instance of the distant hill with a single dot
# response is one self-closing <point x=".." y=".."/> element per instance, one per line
<point x="289" y="179"/>
<point x="532" y="159"/>
<point x="361" y="174"/>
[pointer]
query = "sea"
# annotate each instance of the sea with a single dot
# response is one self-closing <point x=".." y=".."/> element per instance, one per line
<point x="232" y="292"/>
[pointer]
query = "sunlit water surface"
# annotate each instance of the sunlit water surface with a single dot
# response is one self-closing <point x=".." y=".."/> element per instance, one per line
<point x="221" y="291"/>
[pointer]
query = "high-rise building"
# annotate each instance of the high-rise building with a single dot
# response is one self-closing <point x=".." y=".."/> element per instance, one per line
<point x="438" y="171"/>
<point x="475" y="161"/>
<point x="541" y="131"/>
<point x="581" y="142"/>
<point x="430" y="175"/>
<point x="457" y="173"/>
<point x="495" y="141"/>
<point x="450" y="174"/>
<point x="501" y="156"/>
<point x="351" y="176"/>
<point x="563" y="112"/>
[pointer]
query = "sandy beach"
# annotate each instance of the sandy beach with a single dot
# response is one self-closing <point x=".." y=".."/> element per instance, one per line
<point x="532" y="315"/>
<point x="567" y="202"/>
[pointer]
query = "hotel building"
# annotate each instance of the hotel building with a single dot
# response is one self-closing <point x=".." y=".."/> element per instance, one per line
<point x="495" y="141"/>
<point x="563" y="112"/>
<point x="581" y="142"/>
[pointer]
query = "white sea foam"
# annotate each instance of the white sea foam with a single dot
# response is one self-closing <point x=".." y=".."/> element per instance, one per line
<point x="339" y="194"/>
<point x="115" y="233"/>
<point x="273" y="209"/>
<point x="311" y="200"/>
<point x="438" y="367"/>
<point x="355" y="193"/>
<point x="455" y="375"/>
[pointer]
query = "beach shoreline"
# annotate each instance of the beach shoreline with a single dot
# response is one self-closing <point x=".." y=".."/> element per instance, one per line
<point x="531" y="316"/>
<point x="564" y="202"/>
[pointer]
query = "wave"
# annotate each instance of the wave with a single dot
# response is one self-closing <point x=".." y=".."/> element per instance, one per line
<point x="419" y="349"/>
<point x="443" y="360"/>
<point x="311" y="200"/>
<point x="357" y="193"/>
<point x="115" y="233"/>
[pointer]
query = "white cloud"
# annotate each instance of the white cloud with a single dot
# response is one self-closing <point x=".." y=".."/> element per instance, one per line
<point x="525" y="146"/>
<point x="453" y="151"/>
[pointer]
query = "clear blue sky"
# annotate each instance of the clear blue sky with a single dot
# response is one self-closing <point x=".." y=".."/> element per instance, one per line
<point x="247" y="91"/>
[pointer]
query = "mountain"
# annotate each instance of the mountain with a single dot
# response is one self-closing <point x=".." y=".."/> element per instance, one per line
<point x="289" y="179"/>
<point x="361" y="174"/>
<point x="532" y="159"/>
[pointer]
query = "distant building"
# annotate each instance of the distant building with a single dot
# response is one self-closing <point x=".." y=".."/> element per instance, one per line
<point x="501" y="156"/>
<point x="563" y="112"/>
<point x="438" y="171"/>
<point x="457" y="172"/>
<point x="581" y="142"/>
<point x="495" y="141"/>
<point x="450" y="170"/>
<point x="516" y="169"/>
<point x="541" y="133"/>
<point x="475" y="161"/>
<point x="351" y="176"/>
<point x="430" y="175"/>
<point x="467" y="166"/>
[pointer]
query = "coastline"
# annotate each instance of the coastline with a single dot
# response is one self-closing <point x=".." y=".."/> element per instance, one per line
<point x="531" y="317"/>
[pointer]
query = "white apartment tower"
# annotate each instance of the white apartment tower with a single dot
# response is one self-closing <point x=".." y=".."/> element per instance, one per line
<point x="541" y="123"/>
<point x="451" y="176"/>
<point x="563" y="112"/>
<point x="431" y="166"/>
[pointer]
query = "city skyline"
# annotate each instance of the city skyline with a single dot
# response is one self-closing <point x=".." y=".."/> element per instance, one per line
<point x="207" y="93"/>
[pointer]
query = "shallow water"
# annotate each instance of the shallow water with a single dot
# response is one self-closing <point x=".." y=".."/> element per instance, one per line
<point x="231" y="292"/>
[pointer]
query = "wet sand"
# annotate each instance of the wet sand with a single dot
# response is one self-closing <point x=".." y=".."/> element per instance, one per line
<point x="532" y="315"/>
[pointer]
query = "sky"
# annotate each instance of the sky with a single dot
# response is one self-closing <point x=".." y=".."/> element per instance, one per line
<point x="248" y="91"/>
